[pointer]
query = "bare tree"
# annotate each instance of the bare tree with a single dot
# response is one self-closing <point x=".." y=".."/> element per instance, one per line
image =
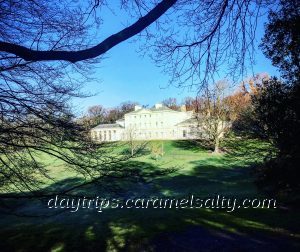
<point x="192" y="104"/>
<point x="35" y="113"/>
<point x="126" y="107"/>
<point x="95" y="115"/>
<point x="118" y="112"/>
<point x="131" y="139"/>
<point x="213" y="115"/>
<point x="171" y="103"/>
<point x="136" y="146"/>
<point x="96" y="110"/>
<point x="209" y="37"/>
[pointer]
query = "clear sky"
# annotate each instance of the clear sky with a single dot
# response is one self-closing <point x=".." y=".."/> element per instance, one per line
<point x="124" y="75"/>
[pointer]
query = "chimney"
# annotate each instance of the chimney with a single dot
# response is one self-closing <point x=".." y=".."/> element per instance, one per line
<point x="158" y="105"/>
<point x="137" y="107"/>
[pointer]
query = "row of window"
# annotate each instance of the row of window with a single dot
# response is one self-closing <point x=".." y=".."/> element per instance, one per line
<point x="111" y="135"/>
<point x="146" y="125"/>
<point x="158" y="134"/>
<point x="140" y="116"/>
<point x="146" y="116"/>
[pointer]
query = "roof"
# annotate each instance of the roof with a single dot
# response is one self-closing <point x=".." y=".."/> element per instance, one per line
<point x="153" y="109"/>
<point x="187" y="121"/>
<point x="108" y="125"/>
<point x="162" y="109"/>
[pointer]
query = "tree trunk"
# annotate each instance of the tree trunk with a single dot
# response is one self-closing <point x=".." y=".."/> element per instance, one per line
<point x="132" y="150"/>
<point x="217" y="145"/>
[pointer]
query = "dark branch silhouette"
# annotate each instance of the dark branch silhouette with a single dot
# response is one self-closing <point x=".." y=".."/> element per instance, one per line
<point x="75" y="56"/>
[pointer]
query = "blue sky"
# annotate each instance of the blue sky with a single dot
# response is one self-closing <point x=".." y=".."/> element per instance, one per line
<point x="124" y="75"/>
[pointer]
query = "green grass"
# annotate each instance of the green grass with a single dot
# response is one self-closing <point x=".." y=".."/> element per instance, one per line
<point x="185" y="168"/>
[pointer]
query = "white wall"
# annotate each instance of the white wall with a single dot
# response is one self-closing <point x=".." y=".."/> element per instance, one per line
<point x="107" y="134"/>
<point x="145" y="124"/>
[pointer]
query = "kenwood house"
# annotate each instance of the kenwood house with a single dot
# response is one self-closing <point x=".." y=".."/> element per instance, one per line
<point x="159" y="122"/>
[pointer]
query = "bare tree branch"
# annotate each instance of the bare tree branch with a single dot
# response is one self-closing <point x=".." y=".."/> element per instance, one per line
<point x="75" y="56"/>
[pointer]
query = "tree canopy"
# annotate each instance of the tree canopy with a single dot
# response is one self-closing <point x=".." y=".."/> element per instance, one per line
<point x="281" y="42"/>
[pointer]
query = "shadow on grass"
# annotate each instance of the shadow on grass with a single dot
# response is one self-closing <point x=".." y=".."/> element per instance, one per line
<point x="192" y="145"/>
<point x="249" y="150"/>
<point x="156" y="229"/>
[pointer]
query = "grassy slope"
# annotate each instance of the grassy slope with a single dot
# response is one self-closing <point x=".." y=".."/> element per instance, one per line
<point x="197" y="172"/>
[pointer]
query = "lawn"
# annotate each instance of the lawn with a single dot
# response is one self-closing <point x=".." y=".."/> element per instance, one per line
<point x="185" y="168"/>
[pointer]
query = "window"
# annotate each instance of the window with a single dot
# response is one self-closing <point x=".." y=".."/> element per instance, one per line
<point x="184" y="133"/>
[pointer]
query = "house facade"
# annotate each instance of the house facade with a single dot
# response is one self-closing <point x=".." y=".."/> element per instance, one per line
<point x="159" y="122"/>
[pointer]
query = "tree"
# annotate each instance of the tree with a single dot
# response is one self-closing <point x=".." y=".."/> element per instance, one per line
<point x="192" y="104"/>
<point x="242" y="113"/>
<point x="131" y="137"/>
<point x="281" y="42"/>
<point x="96" y="115"/>
<point x="126" y="107"/>
<point x="116" y="113"/>
<point x="276" y="107"/>
<point x="171" y="103"/>
<point x="213" y="116"/>
<point x="35" y="113"/>
<point x="276" y="114"/>
<point x="135" y="146"/>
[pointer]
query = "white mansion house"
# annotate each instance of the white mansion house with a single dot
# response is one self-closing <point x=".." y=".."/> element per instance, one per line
<point x="159" y="122"/>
